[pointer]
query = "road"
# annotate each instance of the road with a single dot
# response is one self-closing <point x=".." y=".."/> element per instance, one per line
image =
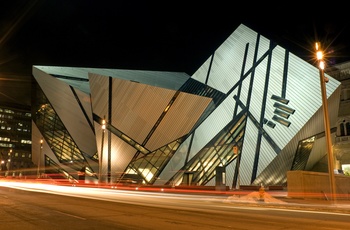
<point x="42" y="207"/>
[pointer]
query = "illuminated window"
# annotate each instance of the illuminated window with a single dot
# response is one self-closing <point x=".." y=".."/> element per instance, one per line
<point x="280" y="99"/>
<point x="346" y="169"/>
<point x="284" y="108"/>
<point x="281" y="121"/>
<point x="281" y="113"/>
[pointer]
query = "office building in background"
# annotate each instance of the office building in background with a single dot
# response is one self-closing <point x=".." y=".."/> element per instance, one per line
<point x="15" y="140"/>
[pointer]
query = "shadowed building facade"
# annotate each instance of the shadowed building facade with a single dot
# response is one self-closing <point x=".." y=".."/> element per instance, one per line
<point x="251" y="112"/>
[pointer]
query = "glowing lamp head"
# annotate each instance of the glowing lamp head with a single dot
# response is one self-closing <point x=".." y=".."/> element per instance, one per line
<point x="319" y="55"/>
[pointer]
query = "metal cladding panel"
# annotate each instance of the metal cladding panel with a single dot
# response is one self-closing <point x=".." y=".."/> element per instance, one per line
<point x="99" y="95"/>
<point x="227" y="62"/>
<point x="85" y="102"/>
<point x="211" y="126"/>
<point x="83" y="86"/>
<point x="68" y="109"/>
<point x="275" y="172"/>
<point x="169" y="80"/>
<point x="266" y="156"/>
<point x="203" y="134"/>
<point x="137" y="107"/>
<point x="303" y="93"/>
<point x="257" y="94"/>
<point x="122" y="154"/>
<point x="304" y="107"/>
<point x="248" y="153"/>
<point x="302" y="80"/>
<point x="244" y="91"/>
<point x="333" y="107"/>
<point x="201" y="74"/>
<point x="179" y="120"/>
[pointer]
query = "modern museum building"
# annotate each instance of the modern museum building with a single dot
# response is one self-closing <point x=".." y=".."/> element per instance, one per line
<point x="251" y="113"/>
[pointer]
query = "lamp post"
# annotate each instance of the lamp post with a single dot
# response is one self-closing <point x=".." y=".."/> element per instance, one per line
<point x="9" y="162"/>
<point x="323" y="81"/>
<point x="39" y="158"/>
<point x="101" y="158"/>
<point x="2" y="166"/>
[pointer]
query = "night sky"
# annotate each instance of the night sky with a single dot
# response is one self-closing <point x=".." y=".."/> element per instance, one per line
<point x="147" y="36"/>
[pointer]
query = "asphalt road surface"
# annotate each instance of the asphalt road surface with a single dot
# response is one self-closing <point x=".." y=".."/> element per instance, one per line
<point x="103" y="209"/>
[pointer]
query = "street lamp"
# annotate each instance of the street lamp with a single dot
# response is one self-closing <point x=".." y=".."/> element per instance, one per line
<point x="39" y="158"/>
<point x="103" y="132"/>
<point x="323" y="81"/>
<point x="9" y="162"/>
<point x="2" y="166"/>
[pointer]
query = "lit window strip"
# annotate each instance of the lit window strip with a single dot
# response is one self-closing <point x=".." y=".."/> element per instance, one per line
<point x="284" y="108"/>
<point x="280" y="99"/>
<point x="281" y="113"/>
<point x="281" y="121"/>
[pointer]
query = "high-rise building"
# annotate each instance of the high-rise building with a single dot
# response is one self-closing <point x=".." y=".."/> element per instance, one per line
<point x="15" y="140"/>
<point x="249" y="114"/>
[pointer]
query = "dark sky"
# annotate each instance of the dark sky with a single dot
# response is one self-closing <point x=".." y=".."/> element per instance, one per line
<point x="140" y="35"/>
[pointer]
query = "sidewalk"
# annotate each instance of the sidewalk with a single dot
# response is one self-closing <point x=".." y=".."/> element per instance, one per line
<point x="279" y="198"/>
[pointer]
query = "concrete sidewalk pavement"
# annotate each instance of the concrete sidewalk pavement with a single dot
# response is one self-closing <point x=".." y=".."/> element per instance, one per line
<point x="279" y="198"/>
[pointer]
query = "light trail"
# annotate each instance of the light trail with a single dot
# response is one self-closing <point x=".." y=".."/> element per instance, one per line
<point x="155" y="199"/>
<point x="100" y="193"/>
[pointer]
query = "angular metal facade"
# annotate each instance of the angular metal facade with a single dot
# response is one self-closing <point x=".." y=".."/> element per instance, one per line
<point x="252" y="108"/>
